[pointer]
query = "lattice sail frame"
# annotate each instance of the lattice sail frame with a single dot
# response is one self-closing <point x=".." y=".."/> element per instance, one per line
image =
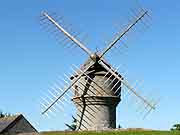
<point x="79" y="72"/>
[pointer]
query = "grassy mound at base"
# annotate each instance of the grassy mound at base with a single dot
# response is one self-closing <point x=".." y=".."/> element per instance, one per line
<point x="115" y="133"/>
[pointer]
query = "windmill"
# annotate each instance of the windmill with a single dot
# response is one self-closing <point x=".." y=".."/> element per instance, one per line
<point x="96" y="85"/>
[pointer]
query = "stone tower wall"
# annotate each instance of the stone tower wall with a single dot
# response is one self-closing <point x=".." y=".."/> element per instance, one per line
<point x="96" y="102"/>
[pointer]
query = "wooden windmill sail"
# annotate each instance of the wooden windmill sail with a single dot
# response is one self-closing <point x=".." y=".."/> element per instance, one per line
<point x="96" y="85"/>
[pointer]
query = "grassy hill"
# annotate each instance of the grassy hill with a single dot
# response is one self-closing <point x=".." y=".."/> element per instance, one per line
<point x="115" y="133"/>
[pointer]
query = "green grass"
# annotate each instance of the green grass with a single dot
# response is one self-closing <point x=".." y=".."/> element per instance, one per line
<point x="115" y="133"/>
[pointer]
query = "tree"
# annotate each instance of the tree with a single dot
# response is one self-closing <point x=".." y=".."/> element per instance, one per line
<point x="2" y="114"/>
<point x="176" y="127"/>
<point x="72" y="126"/>
<point x="119" y="126"/>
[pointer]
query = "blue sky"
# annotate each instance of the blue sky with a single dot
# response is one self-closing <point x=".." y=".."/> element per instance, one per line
<point x="31" y="60"/>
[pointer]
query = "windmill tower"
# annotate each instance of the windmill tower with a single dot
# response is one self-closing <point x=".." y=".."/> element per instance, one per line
<point x="95" y="100"/>
<point x="96" y="85"/>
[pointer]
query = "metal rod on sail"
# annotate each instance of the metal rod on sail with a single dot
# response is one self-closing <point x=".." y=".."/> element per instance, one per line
<point x="122" y="34"/>
<point x="79" y="76"/>
<point x="67" y="34"/>
<point x="127" y="85"/>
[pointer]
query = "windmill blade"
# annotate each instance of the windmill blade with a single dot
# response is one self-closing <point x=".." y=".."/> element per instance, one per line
<point x="122" y="34"/>
<point x="72" y="38"/>
<point x="125" y="83"/>
<point x="68" y="88"/>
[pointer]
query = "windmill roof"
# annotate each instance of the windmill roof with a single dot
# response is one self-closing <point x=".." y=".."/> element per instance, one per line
<point x="89" y="60"/>
<point x="97" y="65"/>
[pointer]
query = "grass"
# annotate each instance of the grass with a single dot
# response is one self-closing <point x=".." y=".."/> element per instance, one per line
<point x="115" y="133"/>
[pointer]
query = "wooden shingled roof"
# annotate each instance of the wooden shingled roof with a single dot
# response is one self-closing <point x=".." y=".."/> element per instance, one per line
<point x="9" y="121"/>
<point x="6" y="121"/>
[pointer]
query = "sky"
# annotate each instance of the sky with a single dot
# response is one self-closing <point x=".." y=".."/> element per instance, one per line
<point x="31" y="60"/>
